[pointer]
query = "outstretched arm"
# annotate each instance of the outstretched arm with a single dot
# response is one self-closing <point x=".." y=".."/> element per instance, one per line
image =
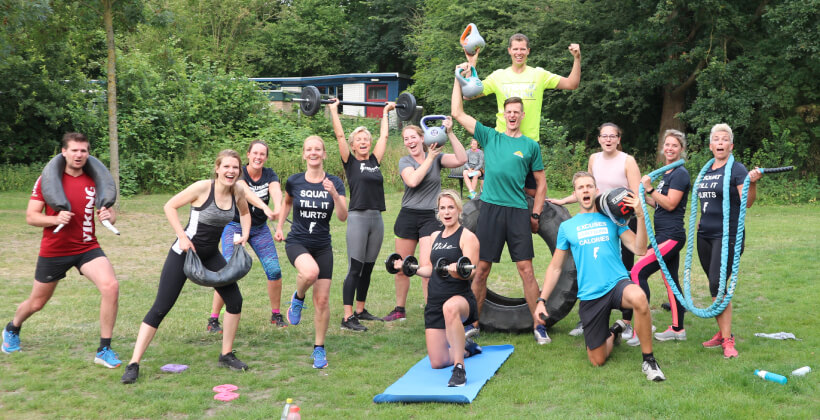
<point x="457" y="109"/>
<point x="344" y="152"/>
<point x="381" y="144"/>
<point x="551" y="279"/>
<point x="572" y="81"/>
<point x="459" y="155"/>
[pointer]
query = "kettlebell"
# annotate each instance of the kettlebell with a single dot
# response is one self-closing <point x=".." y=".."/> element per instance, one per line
<point x="471" y="86"/>
<point x="434" y="135"/>
<point x="471" y="40"/>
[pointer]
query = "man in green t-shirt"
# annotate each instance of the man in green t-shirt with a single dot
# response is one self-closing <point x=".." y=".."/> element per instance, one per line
<point x="504" y="217"/>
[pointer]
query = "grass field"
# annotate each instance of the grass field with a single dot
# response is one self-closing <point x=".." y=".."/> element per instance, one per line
<point x="54" y="376"/>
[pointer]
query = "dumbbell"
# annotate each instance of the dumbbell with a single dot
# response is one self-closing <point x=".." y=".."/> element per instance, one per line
<point x="311" y="99"/>
<point x="408" y="267"/>
<point x="464" y="267"/>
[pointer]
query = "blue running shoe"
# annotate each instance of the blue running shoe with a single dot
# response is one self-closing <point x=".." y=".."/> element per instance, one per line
<point x="319" y="358"/>
<point x="295" y="310"/>
<point x="541" y="336"/>
<point x="11" y="341"/>
<point x="108" y="358"/>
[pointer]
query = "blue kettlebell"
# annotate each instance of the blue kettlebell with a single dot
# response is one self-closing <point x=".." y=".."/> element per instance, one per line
<point x="436" y="135"/>
<point x="471" y="86"/>
<point x="471" y="40"/>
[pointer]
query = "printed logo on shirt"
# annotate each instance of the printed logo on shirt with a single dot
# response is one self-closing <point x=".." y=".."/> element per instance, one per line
<point x="592" y="233"/>
<point x="595" y="252"/>
<point x="523" y="90"/>
<point x="310" y="229"/>
<point x="440" y="246"/>
<point x="363" y="167"/>
<point x="88" y="214"/>
<point x="519" y="154"/>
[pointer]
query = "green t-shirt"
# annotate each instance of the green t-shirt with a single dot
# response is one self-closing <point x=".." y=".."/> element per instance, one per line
<point x="529" y="85"/>
<point x="508" y="160"/>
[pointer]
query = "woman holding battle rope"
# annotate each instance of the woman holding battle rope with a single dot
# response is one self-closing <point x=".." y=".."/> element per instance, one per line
<point x="710" y="228"/>
<point x="450" y="302"/>
<point x="669" y="199"/>
<point x="313" y="195"/>
<point x="365" y="227"/>
<point x="421" y="172"/>
<point x="212" y="207"/>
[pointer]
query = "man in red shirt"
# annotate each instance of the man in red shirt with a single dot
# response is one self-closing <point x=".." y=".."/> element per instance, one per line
<point x="74" y="246"/>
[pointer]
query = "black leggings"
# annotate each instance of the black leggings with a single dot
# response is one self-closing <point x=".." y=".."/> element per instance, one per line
<point x="709" y="255"/>
<point x="173" y="278"/>
<point x="648" y="265"/>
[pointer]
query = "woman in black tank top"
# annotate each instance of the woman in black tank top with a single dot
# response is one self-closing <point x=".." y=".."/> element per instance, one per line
<point x="450" y="302"/>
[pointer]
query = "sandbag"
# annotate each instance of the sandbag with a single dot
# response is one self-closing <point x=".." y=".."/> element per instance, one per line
<point x="506" y="314"/>
<point x="51" y="183"/>
<point x="238" y="266"/>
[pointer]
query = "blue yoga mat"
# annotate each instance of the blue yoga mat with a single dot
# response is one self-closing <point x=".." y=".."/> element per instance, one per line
<point x="422" y="383"/>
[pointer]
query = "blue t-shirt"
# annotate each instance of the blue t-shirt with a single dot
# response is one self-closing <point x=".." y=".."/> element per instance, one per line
<point x="596" y="248"/>
<point x="710" y="192"/>
<point x="669" y="224"/>
<point x="260" y="188"/>
<point x="312" y="208"/>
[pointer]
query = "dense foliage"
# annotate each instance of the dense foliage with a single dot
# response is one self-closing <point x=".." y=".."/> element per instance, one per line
<point x="647" y="65"/>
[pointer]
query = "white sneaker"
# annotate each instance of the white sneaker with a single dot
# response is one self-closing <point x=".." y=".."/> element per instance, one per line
<point x="578" y="330"/>
<point x="671" y="334"/>
<point x="540" y="333"/>
<point x="628" y="332"/>
<point x="634" y="341"/>
<point x="652" y="370"/>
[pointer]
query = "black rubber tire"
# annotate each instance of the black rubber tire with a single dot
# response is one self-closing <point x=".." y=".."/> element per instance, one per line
<point x="52" y="185"/>
<point x="506" y="314"/>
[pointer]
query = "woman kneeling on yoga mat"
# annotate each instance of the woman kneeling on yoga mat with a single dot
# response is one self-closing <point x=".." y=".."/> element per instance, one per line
<point x="450" y="302"/>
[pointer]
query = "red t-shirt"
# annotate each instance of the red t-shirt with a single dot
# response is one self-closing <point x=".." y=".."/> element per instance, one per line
<point x="77" y="236"/>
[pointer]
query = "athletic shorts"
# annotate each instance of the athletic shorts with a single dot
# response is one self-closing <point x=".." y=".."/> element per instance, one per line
<point x="322" y="256"/>
<point x="595" y="314"/>
<point x="51" y="269"/>
<point x="709" y="255"/>
<point x="414" y="224"/>
<point x="434" y="313"/>
<point x="498" y="225"/>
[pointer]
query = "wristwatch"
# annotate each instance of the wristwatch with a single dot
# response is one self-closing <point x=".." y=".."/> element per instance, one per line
<point x="540" y="299"/>
<point x="650" y="191"/>
<point x="536" y="216"/>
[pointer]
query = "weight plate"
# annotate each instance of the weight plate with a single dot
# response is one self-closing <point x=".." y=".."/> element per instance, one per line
<point x="311" y="100"/>
<point x="405" y="106"/>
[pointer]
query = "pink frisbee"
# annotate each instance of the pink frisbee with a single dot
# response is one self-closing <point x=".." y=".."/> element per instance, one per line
<point x="225" y="388"/>
<point x="226" y="396"/>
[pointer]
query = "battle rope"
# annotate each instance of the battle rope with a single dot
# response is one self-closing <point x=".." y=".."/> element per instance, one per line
<point x="724" y="294"/>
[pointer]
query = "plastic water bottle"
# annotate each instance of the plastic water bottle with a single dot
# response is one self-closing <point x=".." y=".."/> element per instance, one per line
<point x="769" y="376"/>
<point x="294" y="413"/>
<point x="286" y="411"/>
<point x="802" y="371"/>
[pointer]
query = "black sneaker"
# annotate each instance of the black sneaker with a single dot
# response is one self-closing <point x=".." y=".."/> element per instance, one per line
<point x="230" y="361"/>
<point x="366" y="316"/>
<point x="471" y="347"/>
<point x="278" y="320"/>
<point x="132" y="372"/>
<point x="666" y="306"/>
<point x="459" y="377"/>
<point x="213" y="326"/>
<point x="617" y="328"/>
<point x="352" y="324"/>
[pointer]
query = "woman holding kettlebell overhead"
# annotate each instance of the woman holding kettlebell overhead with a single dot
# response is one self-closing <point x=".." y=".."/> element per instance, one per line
<point x="313" y="195"/>
<point x="421" y="172"/>
<point x="365" y="227"/>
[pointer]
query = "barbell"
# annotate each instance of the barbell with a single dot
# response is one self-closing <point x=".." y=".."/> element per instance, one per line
<point x="310" y="101"/>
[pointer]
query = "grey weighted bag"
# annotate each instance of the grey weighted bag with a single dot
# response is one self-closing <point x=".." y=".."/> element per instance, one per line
<point x="238" y="266"/>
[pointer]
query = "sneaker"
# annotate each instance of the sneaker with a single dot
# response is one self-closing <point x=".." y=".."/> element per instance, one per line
<point x="295" y="310"/>
<point x="11" y="341"/>
<point x="278" y="320"/>
<point x="352" y="324"/>
<point x="230" y="361"/>
<point x="471" y="347"/>
<point x="213" y="326"/>
<point x="628" y="333"/>
<point x="652" y="370"/>
<point x="666" y="306"/>
<point x="459" y="377"/>
<point x="319" y="358"/>
<point x="715" y="341"/>
<point x="541" y="336"/>
<point x="634" y="341"/>
<point x="618" y="328"/>
<point x="671" y="334"/>
<point x="578" y="330"/>
<point x="108" y="358"/>
<point x="471" y="332"/>
<point x="395" y="315"/>
<point x="366" y="316"/>
<point x="132" y="372"/>
<point x="729" y="348"/>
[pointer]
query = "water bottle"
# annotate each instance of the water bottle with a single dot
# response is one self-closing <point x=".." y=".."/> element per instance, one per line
<point x="769" y="376"/>
<point x="802" y="371"/>
<point x="294" y="413"/>
<point x="286" y="411"/>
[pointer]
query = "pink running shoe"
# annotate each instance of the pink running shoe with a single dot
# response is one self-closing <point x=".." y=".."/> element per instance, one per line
<point x="729" y="348"/>
<point x="713" y="342"/>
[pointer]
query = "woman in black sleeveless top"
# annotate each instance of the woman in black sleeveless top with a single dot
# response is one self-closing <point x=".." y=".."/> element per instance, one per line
<point x="450" y="302"/>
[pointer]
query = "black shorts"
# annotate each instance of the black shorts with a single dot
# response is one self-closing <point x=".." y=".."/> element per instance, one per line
<point x="498" y="225"/>
<point x="434" y="313"/>
<point x="51" y="269"/>
<point x="322" y="256"/>
<point x="595" y="314"/>
<point x="709" y="255"/>
<point x="415" y="224"/>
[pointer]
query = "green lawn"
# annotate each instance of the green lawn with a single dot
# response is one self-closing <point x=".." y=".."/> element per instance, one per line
<point x="55" y="376"/>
